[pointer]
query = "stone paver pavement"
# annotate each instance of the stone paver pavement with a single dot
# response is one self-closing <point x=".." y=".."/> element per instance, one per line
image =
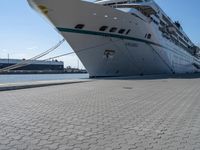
<point x="162" y="114"/>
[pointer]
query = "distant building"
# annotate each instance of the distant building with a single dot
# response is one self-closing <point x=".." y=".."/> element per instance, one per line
<point x="69" y="69"/>
<point x="33" y="65"/>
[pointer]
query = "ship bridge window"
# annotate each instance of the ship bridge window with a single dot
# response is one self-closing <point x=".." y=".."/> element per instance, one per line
<point x="114" y="29"/>
<point x="128" y="31"/>
<point x="79" y="26"/>
<point x="121" y="31"/>
<point x="103" y="28"/>
<point x="144" y="9"/>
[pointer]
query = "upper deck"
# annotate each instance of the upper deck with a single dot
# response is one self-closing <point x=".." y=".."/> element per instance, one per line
<point x="149" y="9"/>
<point x="123" y="1"/>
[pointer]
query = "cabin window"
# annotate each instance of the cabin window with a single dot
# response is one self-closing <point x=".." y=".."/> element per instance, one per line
<point x="156" y="15"/>
<point x="162" y="23"/>
<point x="155" y="22"/>
<point x="121" y="31"/>
<point x="79" y="26"/>
<point x="128" y="32"/>
<point x="103" y="28"/>
<point x="113" y="29"/>
<point x="149" y="36"/>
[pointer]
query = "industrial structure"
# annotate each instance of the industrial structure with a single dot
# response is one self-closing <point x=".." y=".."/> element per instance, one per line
<point x="34" y="65"/>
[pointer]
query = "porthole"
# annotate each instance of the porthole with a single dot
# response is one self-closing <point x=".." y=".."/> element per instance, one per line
<point x="103" y="28"/>
<point x="79" y="26"/>
<point x="121" y="31"/>
<point x="114" y="29"/>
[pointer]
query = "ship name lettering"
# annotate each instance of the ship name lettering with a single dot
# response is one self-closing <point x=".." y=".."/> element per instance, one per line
<point x="131" y="44"/>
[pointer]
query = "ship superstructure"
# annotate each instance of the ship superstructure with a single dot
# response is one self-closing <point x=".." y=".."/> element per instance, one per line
<point x="122" y="37"/>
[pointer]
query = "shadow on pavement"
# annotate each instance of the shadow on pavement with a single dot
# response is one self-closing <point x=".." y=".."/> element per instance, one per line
<point x="154" y="77"/>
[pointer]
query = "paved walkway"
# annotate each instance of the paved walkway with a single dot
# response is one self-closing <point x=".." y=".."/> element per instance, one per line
<point x="103" y="115"/>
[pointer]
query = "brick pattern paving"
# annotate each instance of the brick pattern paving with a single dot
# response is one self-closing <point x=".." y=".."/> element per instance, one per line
<point x="161" y="114"/>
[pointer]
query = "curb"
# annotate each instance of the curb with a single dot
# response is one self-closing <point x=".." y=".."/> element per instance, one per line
<point x="11" y="87"/>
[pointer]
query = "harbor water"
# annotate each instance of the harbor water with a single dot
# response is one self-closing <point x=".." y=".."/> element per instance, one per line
<point x="40" y="77"/>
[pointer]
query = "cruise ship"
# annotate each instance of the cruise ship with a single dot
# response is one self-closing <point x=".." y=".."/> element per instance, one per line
<point x="122" y="37"/>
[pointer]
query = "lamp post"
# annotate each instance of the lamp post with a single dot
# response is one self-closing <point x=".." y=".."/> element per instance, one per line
<point x="8" y="58"/>
<point x="78" y="64"/>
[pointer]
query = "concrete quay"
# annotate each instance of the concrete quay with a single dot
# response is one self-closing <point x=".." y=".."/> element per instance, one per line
<point x="104" y="114"/>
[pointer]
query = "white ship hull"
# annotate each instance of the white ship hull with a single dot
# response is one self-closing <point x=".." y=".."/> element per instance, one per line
<point x="112" y="54"/>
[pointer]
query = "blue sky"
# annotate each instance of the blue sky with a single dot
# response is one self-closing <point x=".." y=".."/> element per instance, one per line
<point x="23" y="33"/>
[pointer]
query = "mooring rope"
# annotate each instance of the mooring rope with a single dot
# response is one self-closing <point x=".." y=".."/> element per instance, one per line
<point x="28" y="62"/>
